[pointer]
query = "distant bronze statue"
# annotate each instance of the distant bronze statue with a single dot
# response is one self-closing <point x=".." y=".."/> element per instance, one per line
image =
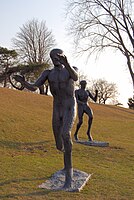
<point x="82" y="96"/>
<point x="61" y="82"/>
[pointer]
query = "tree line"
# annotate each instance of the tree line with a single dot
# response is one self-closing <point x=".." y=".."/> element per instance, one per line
<point x="10" y="66"/>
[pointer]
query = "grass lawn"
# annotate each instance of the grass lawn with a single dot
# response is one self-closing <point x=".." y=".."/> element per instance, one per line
<point x="28" y="154"/>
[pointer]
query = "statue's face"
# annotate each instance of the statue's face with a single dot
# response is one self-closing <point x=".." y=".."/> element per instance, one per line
<point x="54" y="54"/>
<point x="83" y="85"/>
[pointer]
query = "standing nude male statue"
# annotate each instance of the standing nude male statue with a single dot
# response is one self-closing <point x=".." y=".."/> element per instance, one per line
<point x="61" y="81"/>
<point x="82" y="96"/>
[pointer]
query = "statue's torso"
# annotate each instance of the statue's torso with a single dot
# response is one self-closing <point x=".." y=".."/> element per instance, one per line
<point x="61" y="85"/>
<point x="82" y="95"/>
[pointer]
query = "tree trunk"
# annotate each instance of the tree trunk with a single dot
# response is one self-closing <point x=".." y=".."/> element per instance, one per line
<point x="5" y="81"/>
<point x="42" y="91"/>
<point x="41" y="88"/>
<point x="130" y="69"/>
<point x="6" y="76"/>
<point x="46" y="93"/>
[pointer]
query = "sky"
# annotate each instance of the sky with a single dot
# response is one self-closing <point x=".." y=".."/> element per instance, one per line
<point x="110" y="66"/>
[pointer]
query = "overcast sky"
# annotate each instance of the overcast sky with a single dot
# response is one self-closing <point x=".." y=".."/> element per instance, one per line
<point x="15" y="13"/>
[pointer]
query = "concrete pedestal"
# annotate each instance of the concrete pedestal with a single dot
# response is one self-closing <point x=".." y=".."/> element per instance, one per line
<point x="56" y="182"/>
<point x="94" y="143"/>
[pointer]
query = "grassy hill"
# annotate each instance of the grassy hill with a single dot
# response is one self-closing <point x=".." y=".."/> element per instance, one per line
<point x="28" y="154"/>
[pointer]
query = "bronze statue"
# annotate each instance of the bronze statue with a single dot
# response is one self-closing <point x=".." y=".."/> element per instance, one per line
<point x="61" y="81"/>
<point x="82" y="96"/>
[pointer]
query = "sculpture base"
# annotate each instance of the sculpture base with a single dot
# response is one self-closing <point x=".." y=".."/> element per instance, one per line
<point x="56" y="182"/>
<point x="94" y="143"/>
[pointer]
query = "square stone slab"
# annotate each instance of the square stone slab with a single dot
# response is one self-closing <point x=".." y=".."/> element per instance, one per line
<point x="94" y="143"/>
<point x="57" y="180"/>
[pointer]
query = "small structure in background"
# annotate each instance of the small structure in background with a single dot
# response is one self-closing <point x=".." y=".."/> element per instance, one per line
<point x="131" y="103"/>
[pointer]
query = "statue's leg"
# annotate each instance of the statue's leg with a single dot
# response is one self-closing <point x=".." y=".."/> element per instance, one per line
<point x="57" y="125"/>
<point x="68" y="168"/>
<point x="89" y="112"/>
<point x="68" y="119"/>
<point x="80" y="118"/>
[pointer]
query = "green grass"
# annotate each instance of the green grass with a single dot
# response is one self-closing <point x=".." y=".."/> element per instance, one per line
<point x="29" y="156"/>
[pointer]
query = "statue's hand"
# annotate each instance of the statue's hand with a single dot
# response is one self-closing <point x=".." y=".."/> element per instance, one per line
<point x="63" y="59"/>
<point x="19" y="78"/>
<point x="17" y="81"/>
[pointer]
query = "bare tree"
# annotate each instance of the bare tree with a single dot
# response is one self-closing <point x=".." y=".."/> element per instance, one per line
<point x="99" y="24"/>
<point x="106" y="91"/>
<point x="34" y="42"/>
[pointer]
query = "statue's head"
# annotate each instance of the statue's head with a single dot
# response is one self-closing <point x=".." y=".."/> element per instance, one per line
<point x="55" y="51"/>
<point x="54" y="55"/>
<point x="83" y="82"/>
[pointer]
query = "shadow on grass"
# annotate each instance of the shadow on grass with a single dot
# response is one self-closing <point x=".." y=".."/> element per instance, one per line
<point x="20" y="180"/>
<point x="36" y="193"/>
<point x="23" y="145"/>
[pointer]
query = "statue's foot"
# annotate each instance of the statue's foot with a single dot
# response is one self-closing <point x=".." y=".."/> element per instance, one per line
<point x="90" y="139"/>
<point x="63" y="170"/>
<point x="76" y="137"/>
<point x="67" y="185"/>
<point x="68" y="179"/>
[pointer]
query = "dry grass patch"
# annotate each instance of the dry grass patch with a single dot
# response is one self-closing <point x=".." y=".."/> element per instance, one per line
<point x="29" y="157"/>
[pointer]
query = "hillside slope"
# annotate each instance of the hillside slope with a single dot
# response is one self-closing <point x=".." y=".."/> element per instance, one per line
<point x="29" y="156"/>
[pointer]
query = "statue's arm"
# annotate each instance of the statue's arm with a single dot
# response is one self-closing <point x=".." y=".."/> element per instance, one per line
<point x="73" y="73"/>
<point x="94" y="98"/>
<point x="72" y="70"/>
<point x="77" y="98"/>
<point x="41" y="80"/>
<point x="33" y="86"/>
